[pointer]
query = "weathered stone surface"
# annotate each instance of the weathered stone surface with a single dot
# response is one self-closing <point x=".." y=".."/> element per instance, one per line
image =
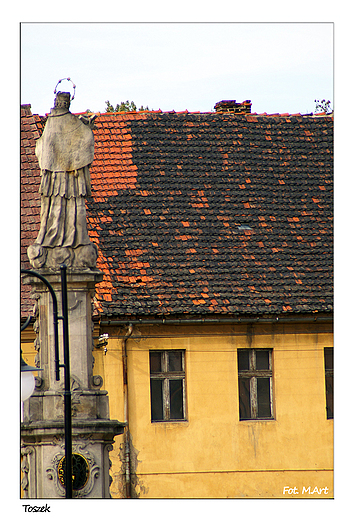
<point x="66" y="144"/>
<point x="80" y="291"/>
<point x="42" y="450"/>
<point x="42" y="429"/>
<point x="64" y="151"/>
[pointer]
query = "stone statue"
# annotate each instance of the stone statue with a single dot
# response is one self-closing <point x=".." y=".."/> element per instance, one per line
<point x="65" y="152"/>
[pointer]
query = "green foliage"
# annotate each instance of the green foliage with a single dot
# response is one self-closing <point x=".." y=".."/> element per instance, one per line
<point x="124" y="106"/>
<point x="323" y="106"/>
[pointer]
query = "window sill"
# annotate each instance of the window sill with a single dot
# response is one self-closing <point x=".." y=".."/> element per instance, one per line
<point x="266" y="419"/>
<point x="174" y="422"/>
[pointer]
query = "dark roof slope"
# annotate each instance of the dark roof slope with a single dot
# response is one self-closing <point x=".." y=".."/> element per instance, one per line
<point x="215" y="213"/>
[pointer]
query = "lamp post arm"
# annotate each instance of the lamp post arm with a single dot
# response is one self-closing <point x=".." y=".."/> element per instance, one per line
<point x="26" y="324"/>
<point x="66" y="365"/>
<point x="55" y="317"/>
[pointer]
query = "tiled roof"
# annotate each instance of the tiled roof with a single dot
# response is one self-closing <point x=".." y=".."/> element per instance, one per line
<point x="31" y="129"/>
<point x="206" y="213"/>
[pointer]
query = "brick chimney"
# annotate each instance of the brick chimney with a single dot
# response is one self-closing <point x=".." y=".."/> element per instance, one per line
<point x="26" y="110"/>
<point x="231" y="106"/>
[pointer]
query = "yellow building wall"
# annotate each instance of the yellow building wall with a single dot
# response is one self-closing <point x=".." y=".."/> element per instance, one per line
<point x="213" y="454"/>
<point x="27" y="346"/>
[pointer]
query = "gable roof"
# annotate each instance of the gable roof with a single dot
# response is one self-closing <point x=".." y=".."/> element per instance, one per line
<point x="204" y="213"/>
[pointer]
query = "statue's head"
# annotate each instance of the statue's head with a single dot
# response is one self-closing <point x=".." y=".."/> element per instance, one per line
<point x="62" y="100"/>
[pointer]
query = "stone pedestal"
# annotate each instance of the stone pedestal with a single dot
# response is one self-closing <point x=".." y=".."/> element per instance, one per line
<point x="42" y="430"/>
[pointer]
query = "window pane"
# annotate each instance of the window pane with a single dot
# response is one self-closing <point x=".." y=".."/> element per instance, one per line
<point x="155" y="362"/>
<point x="263" y="397"/>
<point x="175" y="361"/>
<point x="262" y="360"/>
<point x="176" y="398"/>
<point x="329" y="396"/>
<point x="244" y="399"/>
<point x="328" y="358"/>
<point x="156" y="397"/>
<point x="243" y="359"/>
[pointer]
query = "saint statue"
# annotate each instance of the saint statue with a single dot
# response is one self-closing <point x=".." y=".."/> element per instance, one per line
<point x="65" y="152"/>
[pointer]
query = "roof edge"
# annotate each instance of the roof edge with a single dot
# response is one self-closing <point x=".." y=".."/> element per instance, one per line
<point x="214" y="320"/>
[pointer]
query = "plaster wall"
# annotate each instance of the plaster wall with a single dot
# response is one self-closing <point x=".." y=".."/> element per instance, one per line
<point x="213" y="454"/>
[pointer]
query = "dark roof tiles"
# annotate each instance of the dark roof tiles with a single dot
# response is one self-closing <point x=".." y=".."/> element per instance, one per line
<point x="204" y="213"/>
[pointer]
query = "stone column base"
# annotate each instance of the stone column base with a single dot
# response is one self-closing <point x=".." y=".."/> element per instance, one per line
<point x="43" y="463"/>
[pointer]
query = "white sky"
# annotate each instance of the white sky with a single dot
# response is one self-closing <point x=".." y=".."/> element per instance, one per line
<point x="280" y="67"/>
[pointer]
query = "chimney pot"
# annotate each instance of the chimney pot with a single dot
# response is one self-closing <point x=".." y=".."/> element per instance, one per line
<point x="230" y="105"/>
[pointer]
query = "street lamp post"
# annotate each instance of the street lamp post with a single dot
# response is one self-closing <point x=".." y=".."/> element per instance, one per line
<point x="29" y="382"/>
<point x="67" y="392"/>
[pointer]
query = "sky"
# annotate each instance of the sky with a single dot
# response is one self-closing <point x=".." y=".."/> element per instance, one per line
<point x="280" y="67"/>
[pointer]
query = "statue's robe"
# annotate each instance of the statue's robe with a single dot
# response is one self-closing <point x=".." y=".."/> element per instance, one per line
<point x="64" y="151"/>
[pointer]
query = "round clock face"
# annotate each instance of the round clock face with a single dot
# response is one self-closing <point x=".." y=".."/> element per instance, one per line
<point x="80" y="468"/>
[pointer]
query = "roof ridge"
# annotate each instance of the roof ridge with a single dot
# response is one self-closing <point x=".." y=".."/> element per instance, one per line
<point x="222" y="114"/>
<point x="26" y="112"/>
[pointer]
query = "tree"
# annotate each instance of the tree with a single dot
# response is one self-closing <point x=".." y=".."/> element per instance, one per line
<point x="124" y="106"/>
<point x="323" y="106"/>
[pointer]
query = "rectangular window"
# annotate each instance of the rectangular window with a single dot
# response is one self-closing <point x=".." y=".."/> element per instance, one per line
<point x="255" y="384"/>
<point x="167" y="385"/>
<point x="329" y="368"/>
